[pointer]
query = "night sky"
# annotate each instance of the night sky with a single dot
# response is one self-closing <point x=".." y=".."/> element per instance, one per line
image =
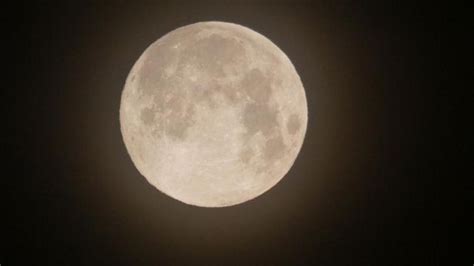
<point x="363" y="190"/>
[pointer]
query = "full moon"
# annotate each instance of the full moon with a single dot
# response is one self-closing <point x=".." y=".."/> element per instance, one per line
<point x="213" y="114"/>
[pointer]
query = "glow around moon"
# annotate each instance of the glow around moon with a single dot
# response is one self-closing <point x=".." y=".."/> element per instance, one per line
<point x="213" y="114"/>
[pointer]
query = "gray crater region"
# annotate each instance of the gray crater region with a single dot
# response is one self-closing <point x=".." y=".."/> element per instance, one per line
<point x="213" y="114"/>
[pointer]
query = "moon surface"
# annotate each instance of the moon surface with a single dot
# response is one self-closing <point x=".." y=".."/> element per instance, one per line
<point x="213" y="114"/>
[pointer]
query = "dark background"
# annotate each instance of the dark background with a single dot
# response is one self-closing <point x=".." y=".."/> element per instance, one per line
<point x="363" y="191"/>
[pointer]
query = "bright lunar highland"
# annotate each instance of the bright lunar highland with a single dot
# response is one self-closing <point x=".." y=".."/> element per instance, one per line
<point x="213" y="114"/>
